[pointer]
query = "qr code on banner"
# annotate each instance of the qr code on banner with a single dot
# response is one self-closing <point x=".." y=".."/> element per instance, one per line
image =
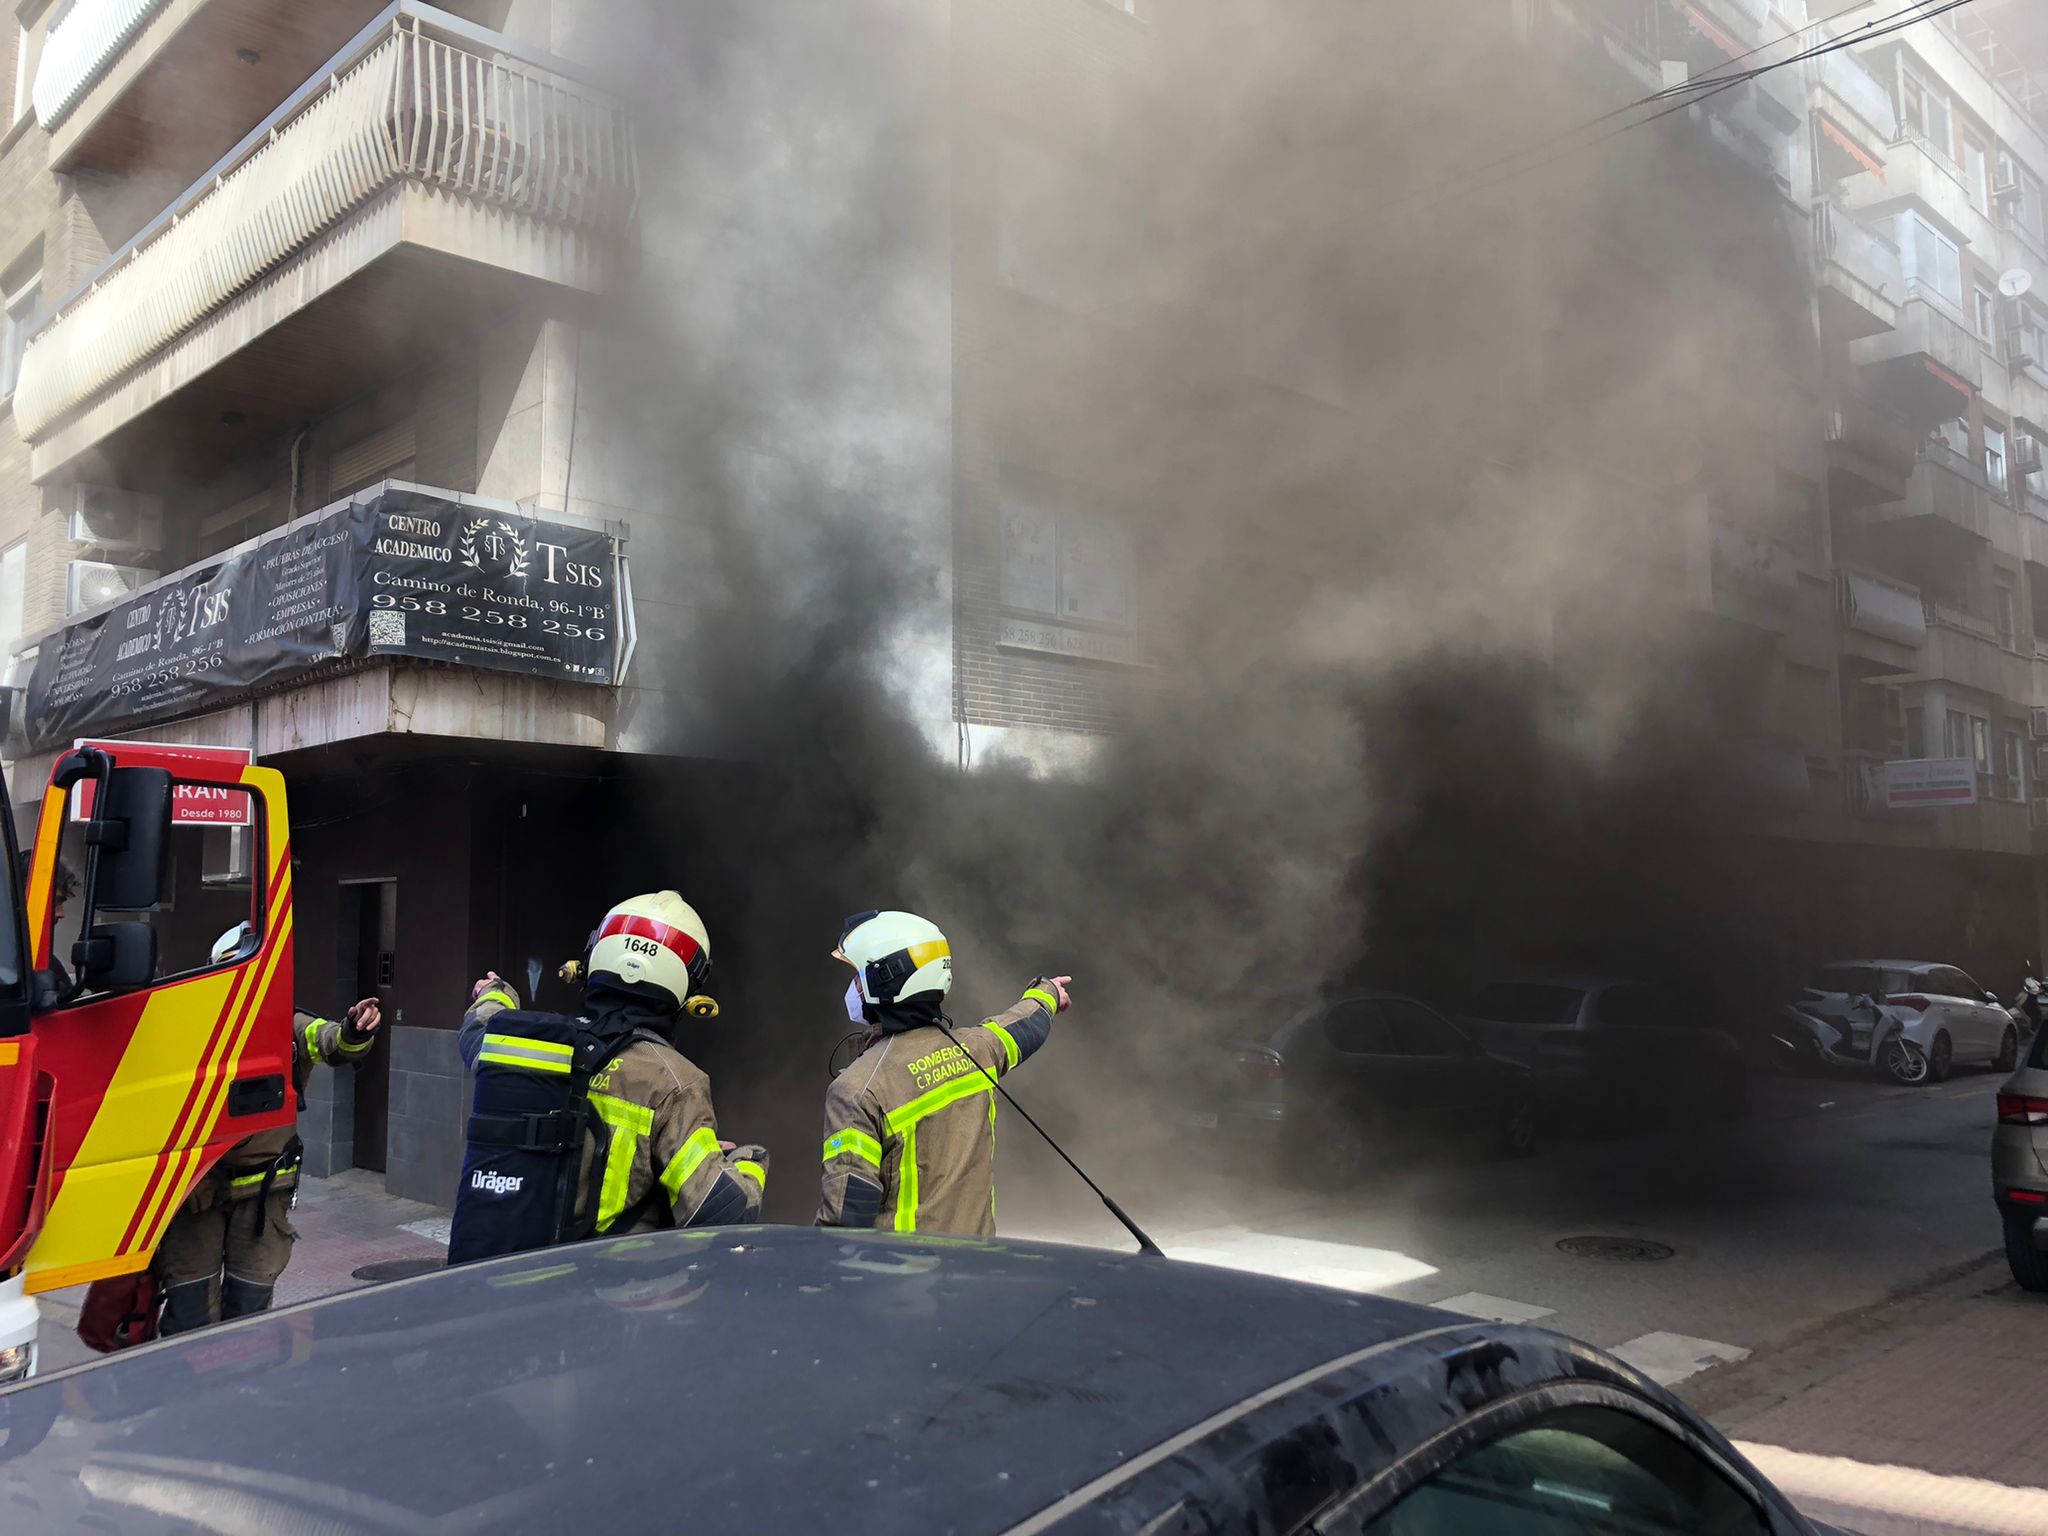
<point x="386" y="627"/>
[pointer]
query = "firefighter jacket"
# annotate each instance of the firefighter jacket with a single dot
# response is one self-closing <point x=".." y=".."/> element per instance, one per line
<point x="910" y="1127"/>
<point x="653" y="1157"/>
<point x="272" y="1157"/>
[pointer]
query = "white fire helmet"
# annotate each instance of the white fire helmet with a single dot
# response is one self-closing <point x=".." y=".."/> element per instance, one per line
<point x="655" y="940"/>
<point x="898" y="956"/>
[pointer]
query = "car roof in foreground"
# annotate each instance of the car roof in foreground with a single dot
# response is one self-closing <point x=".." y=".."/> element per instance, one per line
<point x="766" y="1378"/>
<point x="1883" y="965"/>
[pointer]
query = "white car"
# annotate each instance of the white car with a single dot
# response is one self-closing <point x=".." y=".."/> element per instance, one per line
<point x="1948" y="1017"/>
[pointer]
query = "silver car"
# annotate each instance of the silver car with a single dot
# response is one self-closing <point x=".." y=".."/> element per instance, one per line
<point x="2019" y="1166"/>
<point x="1948" y="1017"/>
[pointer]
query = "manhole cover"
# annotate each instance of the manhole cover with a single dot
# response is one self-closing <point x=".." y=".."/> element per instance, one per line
<point x="1614" y="1250"/>
<point x="399" y="1269"/>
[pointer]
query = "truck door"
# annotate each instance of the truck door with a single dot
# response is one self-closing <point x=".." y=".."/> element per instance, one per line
<point x="158" y="1055"/>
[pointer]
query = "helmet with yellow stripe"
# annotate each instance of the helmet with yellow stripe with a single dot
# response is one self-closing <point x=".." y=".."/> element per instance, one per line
<point x="898" y="956"/>
<point x="657" y="941"/>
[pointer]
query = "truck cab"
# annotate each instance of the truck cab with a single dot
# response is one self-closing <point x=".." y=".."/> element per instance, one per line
<point x="132" y="1062"/>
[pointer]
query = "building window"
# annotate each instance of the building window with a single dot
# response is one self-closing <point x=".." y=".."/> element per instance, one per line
<point x="1923" y="108"/>
<point x="1977" y="171"/>
<point x="2015" y="767"/>
<point x="1994" y="457"/>
<point x="1066" y="565"/>
<point x="1970" y="736"/>
<point x="20" y="322"/>
<point x="1933" y="262"/>
<point x="13" y="602"/>
<point x="1916" y="730"/>
<point x="2022" y="204"/>
<point x="2005" y="607"/>
<point x="1954" y="435"/>
<point x="1987" y="313"/>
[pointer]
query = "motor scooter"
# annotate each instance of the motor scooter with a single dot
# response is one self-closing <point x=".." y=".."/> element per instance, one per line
<point x="2029" y="1006"/>
<point x="1866" y="1036"/>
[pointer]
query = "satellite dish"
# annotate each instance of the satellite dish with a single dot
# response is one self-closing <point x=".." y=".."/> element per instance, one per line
<point x="2016" y="283"/>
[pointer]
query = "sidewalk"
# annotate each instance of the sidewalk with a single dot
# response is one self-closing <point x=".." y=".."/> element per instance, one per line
<point x="1924" y="1416"/>
<point x="345" y="1223"/>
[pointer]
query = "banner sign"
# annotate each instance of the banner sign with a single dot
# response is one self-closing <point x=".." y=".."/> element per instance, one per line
<point x="401" y="573"/>
<point x="192" y="805"/>
<point x="1931" y="781"/>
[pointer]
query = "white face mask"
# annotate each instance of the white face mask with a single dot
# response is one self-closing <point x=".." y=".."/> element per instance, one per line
<point x="856" y="1005"/>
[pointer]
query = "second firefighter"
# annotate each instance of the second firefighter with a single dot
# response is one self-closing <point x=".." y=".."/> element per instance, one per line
<point x="910" y="1126"/>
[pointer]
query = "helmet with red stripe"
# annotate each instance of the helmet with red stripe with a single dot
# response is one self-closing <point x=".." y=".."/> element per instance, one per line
<point x="656" y="940"/>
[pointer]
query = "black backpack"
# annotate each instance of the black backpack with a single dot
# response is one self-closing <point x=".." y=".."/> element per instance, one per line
<point x="527" y="1124"/>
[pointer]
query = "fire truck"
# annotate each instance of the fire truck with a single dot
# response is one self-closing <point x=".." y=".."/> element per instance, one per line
<point x="128" y="1067"/>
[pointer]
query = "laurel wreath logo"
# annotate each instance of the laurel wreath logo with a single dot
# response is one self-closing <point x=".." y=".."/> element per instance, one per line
<point x="478" y="527"/>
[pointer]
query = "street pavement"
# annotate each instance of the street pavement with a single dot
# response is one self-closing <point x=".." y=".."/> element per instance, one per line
<point x="1827" y="1295"/>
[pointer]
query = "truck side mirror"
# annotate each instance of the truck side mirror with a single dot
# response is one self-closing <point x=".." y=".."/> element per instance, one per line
<point x="129" y="841"/>
<point x="116" y="957"/>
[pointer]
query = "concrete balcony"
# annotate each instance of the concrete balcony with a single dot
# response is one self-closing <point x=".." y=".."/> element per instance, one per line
<point x="1928" y="369"/>
<point x="1871" y="453"/>
<point x="162" y="83"/>
<point x="1854" y="101"/>
<point x="1964" y="649"/>
<point x="1861" y="282"/>
<point x="428" y="176"/>
<point x="1919" y="175"/>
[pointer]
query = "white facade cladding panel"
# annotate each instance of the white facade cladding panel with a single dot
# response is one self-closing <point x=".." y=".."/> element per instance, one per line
<point x="81" y="48"/>
<point x="412" y="107"/>
<point x="1878" y="606"/>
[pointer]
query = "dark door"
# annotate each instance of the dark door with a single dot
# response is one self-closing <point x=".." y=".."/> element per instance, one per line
<point x="368" y="942"/>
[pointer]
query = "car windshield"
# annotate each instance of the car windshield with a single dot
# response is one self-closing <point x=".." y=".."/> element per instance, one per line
<point x="1879" y="980"/>
<point x="1525" y="1002"/>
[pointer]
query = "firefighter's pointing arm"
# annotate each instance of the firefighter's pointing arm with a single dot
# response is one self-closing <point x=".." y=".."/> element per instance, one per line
<point x="1011" y="1038"/>
<point x="492" y="995"/>
<point x="337" y="1043"/>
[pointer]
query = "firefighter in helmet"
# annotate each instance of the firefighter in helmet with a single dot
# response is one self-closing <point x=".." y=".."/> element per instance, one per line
<point x="910" y="1126"/>
<point x="224" y="1249"/>
<point x="598" y="1124"/>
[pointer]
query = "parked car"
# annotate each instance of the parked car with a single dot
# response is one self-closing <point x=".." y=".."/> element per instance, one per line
<point x="1361" y="1074"/>
<point x="1602" y="1044"/>
<point x="787" y="1379"/>
<point x="1946" y="1016"/>
<point x="2019" y="1166"/>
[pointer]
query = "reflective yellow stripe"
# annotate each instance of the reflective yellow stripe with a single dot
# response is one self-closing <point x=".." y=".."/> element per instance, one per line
<point x="855" y="1141"/>
<point x="922" y="955"/>
<point x="629" y="1122"/>
<point x="637" y="1118"/>
<point x="903" y="1118"/>
<point x="906" y="1182"/>
<point x="753" y="1171"/>
<point x="343" y="1045"/>
<point x="249" y="1179"/>
<point x="1009" y="1041"/>
<point x="703" y="1143"/>
<point x="1043" y="998"/>
<point x="903" y="1122"/>
<point x="533" y="1055"/>
<point x="496" y="997"/>
<point x="313" y="1039"/>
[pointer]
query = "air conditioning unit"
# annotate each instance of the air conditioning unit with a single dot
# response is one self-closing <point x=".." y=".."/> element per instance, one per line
<point x="2037" y="723"/>
<point x="116" y="520"/>
<point x="2041" y="762"/>
<point x="90" y="583"/>
<point x="224" y="856"/>
<point x="2026" y="454"/>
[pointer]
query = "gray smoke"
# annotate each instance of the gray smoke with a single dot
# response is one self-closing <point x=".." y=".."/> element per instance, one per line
<point x="1410" y="460"/>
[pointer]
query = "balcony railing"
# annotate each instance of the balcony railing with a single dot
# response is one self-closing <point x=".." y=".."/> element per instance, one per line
<point x="1867" y="255"/>
<point x="86" y="41"/>
<point x="404" y="105"/>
